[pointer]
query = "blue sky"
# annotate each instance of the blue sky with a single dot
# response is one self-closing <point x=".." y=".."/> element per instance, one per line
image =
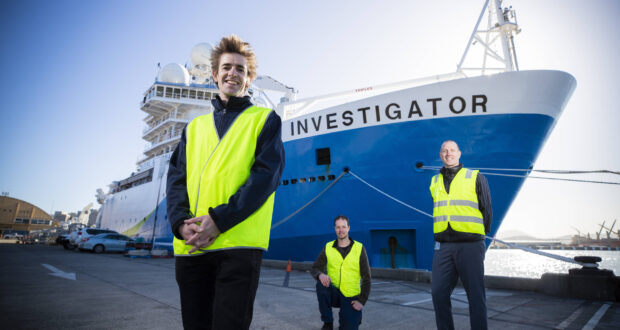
<point x="73" y="73"/>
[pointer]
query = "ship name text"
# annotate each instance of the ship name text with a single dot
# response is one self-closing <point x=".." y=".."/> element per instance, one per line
<point x="342" y="118"/>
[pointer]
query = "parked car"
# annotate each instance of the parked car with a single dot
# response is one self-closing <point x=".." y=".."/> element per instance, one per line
<point x="78" y="235"/>
<point x="13" y="236"/>
<point x="105" y="243"/>
<point x="63" y="240"/>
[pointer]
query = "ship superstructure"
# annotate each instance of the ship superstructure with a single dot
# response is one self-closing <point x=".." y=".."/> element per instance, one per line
<point x="174" y="99"/>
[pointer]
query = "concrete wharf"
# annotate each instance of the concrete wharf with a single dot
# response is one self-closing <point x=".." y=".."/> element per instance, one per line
<point x="47" y="287"/>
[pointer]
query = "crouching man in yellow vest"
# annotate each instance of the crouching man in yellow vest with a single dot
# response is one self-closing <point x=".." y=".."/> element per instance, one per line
<point x="220" y="192"/>
<point x="462" y="216"/>
<point x="347" y="282"/>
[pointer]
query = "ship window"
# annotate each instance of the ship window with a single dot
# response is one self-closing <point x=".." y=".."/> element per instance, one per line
<point x="311" y="179"/>
<point x="331" y="177"/>
<point x="321" y="178"/>
<point x="208" y="96"/>
<point x="168" y="92"/>
<point x="184" y="93"/>
<point x="192" y="94"/>
<point x="323" y="156"/>
<point x="177" y="93"/>
<point x="284" y="182"/>
<point x="302" y="180"/>
<point x="160" y="90"/>
<point x="293" y="181"/>
<point x="201" y="95"/>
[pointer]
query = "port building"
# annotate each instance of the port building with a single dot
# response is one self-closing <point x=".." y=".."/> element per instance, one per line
<point x="20" y="216"/>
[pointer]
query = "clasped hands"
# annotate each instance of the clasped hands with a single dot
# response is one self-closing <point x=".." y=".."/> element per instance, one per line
<point x="199" y="232"/>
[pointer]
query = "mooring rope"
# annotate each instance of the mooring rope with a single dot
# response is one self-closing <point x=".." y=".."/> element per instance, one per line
<point x="524" y="248"/>
<point x="534" y="170"/>
<point x="310" y="202"/>
<point x="387" y="195"/>
<point x="537" y="177"/>
<point x="513" y="245"/>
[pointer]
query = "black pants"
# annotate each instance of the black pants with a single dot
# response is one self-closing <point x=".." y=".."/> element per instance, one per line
<point x="348" y="317"/>
<point x="218" y="288"/>
<point x="451" y="261"/>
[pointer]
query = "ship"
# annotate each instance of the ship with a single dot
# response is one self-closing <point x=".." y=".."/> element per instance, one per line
<point x="368" y="153"/>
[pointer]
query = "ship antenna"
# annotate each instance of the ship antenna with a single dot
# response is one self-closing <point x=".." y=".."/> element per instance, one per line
<point x="500" y="32"/>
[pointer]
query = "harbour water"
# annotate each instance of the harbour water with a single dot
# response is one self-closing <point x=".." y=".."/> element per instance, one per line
<point x="518" y="263"/>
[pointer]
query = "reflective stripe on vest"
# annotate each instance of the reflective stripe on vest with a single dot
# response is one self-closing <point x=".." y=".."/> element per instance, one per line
<point x="459" y="208"/>
<point x="215" y="171"/>
<point x="345" y="273"/>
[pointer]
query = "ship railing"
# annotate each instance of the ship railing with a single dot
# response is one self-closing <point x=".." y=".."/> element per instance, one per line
<point x="148" y="162"/>
<point x="152" y="146"/>
<point x="304" y="106"/>
<point x="161" y="92"/>
<point x="163" y="121"/>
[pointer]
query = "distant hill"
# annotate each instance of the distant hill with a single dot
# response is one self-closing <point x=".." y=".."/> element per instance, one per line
<point x="514" y="234"/>
<point x="518" y="235"/>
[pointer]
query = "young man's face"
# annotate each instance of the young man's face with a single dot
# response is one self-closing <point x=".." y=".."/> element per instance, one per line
<point x="232" y="75"/>
<point x="342" y="228"/>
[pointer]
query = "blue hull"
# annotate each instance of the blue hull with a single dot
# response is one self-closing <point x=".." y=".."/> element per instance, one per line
<point x="385" y="156"/>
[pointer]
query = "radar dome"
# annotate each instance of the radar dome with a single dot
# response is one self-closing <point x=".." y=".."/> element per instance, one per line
<point x="201" y="54"/>
<point x="174" y="73"/>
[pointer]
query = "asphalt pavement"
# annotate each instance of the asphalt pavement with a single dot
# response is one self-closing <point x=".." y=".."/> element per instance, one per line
<point x="48" y="287"/>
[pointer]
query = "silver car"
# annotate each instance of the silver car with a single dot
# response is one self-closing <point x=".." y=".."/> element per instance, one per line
<point x="105" y="243"/>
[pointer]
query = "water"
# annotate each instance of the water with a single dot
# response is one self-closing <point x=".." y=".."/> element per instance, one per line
<point x="518" y="263"/>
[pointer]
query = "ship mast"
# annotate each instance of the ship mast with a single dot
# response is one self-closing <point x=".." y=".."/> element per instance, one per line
<point x="499" y="34"/>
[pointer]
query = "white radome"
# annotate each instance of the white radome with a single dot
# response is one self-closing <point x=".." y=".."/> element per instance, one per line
<point x="174" y="73"/>
<point x="201" y="54"/>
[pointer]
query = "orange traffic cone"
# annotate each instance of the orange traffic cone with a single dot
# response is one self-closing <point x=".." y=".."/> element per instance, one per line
<point x="288" y="266"/>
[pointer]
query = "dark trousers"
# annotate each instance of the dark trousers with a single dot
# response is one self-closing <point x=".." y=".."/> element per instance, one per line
<point x="464" y="260"/>
<point x="218" y="288"/>
<point x="348" y="317"/>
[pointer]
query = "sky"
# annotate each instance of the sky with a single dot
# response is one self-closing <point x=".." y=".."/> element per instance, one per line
<point x="73" y="74"/>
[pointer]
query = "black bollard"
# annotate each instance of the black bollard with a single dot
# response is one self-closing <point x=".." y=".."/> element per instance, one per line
<point x="588" y="282"/>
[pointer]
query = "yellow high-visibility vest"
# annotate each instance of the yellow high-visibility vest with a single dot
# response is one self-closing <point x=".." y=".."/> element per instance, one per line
<point x="215" y="171"/>
<point x="459" y="208"/>
<point x="345" y="273"/>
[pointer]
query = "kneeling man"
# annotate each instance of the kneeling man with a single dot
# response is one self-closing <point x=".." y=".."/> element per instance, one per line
<point x="347" y="282"/>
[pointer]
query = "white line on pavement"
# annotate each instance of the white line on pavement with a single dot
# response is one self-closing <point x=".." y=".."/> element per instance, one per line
<point x="596" y="317"/>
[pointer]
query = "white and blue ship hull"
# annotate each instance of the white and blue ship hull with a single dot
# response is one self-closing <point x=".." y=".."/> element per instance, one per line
<point x="499" y="121"/>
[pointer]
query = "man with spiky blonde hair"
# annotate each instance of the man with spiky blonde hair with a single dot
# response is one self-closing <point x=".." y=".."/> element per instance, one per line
<point x="221" y="184"/>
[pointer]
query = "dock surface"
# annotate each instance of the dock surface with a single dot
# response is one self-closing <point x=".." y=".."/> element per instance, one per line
<point x="48" y="287"/>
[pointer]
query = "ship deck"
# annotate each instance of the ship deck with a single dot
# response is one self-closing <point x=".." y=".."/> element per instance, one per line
<point x="111" y="291"/>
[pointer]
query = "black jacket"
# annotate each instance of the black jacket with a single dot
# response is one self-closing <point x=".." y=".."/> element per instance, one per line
<point x="484" y="205"/>
<point x="264" y="174"/>
<point x="320" y="265"/>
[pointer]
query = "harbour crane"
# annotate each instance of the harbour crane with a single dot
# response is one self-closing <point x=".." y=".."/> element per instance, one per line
<point x="598" y="235"/>
<point x="610" y="230"/>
